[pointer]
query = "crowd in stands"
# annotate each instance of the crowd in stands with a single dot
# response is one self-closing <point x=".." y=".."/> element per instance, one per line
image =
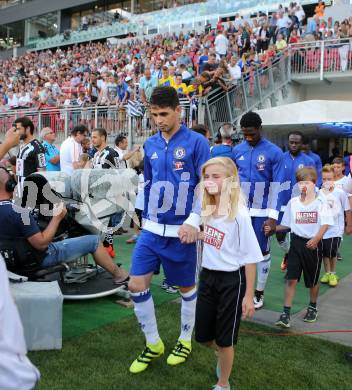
<point x="98" y="73"/>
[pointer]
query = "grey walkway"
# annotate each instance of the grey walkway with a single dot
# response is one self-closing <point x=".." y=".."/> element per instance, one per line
<point x="335" y="313"/>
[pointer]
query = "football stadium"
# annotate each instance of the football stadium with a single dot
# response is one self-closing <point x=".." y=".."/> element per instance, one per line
<point x="175" y="194"/>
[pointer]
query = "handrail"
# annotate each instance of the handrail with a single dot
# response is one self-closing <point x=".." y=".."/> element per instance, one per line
<point x="215" y="108"/>
<point x="250" y="92"/>
<point x="321" y="57"/>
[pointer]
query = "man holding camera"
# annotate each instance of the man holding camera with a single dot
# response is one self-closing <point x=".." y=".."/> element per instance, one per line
<point x="18" y="222"/>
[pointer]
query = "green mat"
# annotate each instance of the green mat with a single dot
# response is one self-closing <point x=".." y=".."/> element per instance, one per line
<point x="274" y="292"/>
<point x="83" y="316"/>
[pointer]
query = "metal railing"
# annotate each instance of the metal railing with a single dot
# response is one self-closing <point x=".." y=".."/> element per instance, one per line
<point x="212" y="110"/>
<point x="115" y="119"/>
<point x="249" y="93"/>
<point x="321" y="57"/>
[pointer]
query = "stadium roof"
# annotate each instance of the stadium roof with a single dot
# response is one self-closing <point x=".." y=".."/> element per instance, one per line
<point x="325" y="117"/>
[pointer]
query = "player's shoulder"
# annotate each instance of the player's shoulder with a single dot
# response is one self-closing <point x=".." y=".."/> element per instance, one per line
<point x="240" y="148"/>
<point x="272" y="149"/>
<point x="112" y="151"/>
<point x="193" y="136"/>
<point x="307" y="159"/>
<point x="152" y="141"/>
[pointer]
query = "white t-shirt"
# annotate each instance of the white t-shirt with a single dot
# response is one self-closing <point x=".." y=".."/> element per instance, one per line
<point x="12" y="102"/>
<point x="338" y="203"/>
<point x="306" y="220"/>
<point x="230" y="244"/>
<point x="70" y="152"/>
<point x="235" y="72"/>
<point x="221" y="44"/>
<point x="345" y="184"/>
<point x="283" y="22"/>
<point x="140" y="194"/>
<point x="16" y="371"/>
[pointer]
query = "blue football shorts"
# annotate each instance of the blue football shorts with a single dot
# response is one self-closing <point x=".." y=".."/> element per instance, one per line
<point x="263" y="240"/>
<point x="178" y="260"/>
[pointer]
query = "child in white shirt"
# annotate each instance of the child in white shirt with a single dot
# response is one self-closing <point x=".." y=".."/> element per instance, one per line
<point x="226" y="282"/>
<point x="339" y="204"/>
<point x="308" y="217"/>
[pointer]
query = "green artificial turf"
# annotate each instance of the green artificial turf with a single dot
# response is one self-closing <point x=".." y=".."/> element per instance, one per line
<point x="99" y="360"/>
<point x="274" y="291"/>
<point x="83" y="316"/>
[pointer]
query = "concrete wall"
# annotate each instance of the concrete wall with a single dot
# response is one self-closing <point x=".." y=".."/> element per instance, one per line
<point x="324" y="91"/>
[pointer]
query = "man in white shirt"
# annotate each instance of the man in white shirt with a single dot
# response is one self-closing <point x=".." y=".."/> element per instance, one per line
<point x="221" y="44"/>
<point x="283" y="23"/>
<point x="12" y="101"/>
<point x="121" y="145"/>
<point x="16" y="371"/>
<point x="71" y="149"/>
<point x="234" y="70"/>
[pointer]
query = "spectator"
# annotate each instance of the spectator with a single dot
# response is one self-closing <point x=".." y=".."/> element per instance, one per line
<point x="121" y="145"/>
<point x="202" y="60"/>
<point x="166" y="80"/>
<point x="71" y="149"/>
<point x="185" y="74"/>
<point x="234" y="69"/>
<point x="211" y="65"/>
<point x="52" y="154"/>
<point x="221" y="44"/>
<point x="281" y="43"/>
<point x="184" y="59"/>
<point x="146" y="85"/>
<point x="181" y="88"/>
<point x="319" y="9"/>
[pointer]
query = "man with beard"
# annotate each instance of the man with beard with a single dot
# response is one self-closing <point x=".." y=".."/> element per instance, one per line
<point x="71" y="149"/>
<point x="106" y="158"/>
<point x="31" y="155"/>
<point x="261" y="170"/>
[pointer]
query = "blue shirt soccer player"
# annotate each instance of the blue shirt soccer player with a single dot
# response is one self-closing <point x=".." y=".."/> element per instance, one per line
<point x="260" y="167"/>
<point x="294" y="159"/>
<point x="172" y="167"/>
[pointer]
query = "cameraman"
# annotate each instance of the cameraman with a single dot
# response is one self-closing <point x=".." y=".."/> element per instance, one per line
<point x="18" y="222"/>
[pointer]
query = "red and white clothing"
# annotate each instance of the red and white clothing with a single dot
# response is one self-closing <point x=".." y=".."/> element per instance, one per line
<point x="70" y="152"/>
<point x="230" y="244"/>
<point x="338" y="204"/>
<point x="305" y="220"/>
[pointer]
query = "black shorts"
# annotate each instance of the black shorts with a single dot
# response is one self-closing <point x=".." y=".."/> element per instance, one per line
<point x="219" y="306"/>
<point x="300" y="258"/>
<point x="331" y="246"/>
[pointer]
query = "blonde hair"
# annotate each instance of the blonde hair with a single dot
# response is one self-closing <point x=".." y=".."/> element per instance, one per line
<point x="327" y="168"/>
<point x="231" y="190"/>
<point x="307" y="174"/>
<point x="135" y="159"/>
